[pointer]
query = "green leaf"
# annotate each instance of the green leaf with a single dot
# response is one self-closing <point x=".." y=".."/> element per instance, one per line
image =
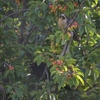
<point x="96" y="74"/>
<point x="80" y="19"/>
<point x="71" y="61"/>
<point x="52" y="97"/>
<point x="22" y="53"/>
<point x="80" y="79"/>
<point x="75" y="10"/>
<point x="58" y="39"/>
<point x="18" y="92"/>
<point x="70" y="82"/>
<point x="38" y="59"/>
<point x="53" y="73"/>
<point x="9" y="88"/>
<point x="62" y="82"/>
<point x="86" y="29"/>
<point x="51" y="37"/>
<point x="63" y="41"/>
<point x="75" y="81"/>
<point x="80" y="73"/>
<point x="56" y="78"/>
<point x="33" y="93"/>
<point x="90" y="72"/>
<point x="6" y="73"/>
<point x="81" y="30"/>
<point x="70" y="5"/>
<point x="50" y="18"/>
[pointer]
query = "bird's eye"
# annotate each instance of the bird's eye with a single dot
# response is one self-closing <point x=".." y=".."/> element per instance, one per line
<point x="63" y="17"/>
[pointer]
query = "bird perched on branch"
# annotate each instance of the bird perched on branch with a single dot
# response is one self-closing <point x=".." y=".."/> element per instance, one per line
<point x="64" y="23"/>
<point x="71" y="26"/>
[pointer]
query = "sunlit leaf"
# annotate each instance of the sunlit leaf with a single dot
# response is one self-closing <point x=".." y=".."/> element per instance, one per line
<point x="80" y="79"/>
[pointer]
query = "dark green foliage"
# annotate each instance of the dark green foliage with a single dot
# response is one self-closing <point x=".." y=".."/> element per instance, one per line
<point x="31" y="64"/>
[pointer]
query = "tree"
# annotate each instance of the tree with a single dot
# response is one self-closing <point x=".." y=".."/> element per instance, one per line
<point x="35" y="63"/>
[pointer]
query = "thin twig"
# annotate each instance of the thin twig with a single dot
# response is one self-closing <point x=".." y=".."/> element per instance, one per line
<point x="64" y="49"/>
<point x="44" y="72"/>
<point x="90" y="86"/>
<point x="47" y="75"/>
<point x="69" y="43"/>
<point x="45" y="35"/>
<point x="13" y="14"/>
<point x="28" y="35"/>
<point x="4" y="95"/>
<point x="96" y="47"/>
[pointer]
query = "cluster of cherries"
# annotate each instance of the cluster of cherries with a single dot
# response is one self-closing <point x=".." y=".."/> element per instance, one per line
<point x="73" y="26"/>
<point x="58" y="62"/>
<point x="19" y="1"/>
<point x="54" y="8"/>
<point x="11" y="67"/>
<point x="59" y="7"/>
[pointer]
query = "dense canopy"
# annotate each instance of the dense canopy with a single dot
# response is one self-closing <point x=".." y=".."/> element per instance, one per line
<point x="39" y="60"/>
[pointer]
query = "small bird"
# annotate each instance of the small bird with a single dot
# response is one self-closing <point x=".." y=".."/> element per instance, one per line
<point x="62" y="22"/>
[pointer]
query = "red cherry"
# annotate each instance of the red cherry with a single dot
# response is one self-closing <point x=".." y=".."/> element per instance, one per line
<point x="55" y="62"/>
<point x="11" y="67"/>
<point x="61" y="62"/>
<point x="65" y="7"/>
<point x="58" y="63"/>
<point x="50" y="6"/>
<point x="75" y="23"/>
<point x="76" y="4"/>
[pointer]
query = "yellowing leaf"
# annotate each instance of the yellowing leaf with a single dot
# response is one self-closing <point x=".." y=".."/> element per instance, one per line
<point x="80" y="79"/>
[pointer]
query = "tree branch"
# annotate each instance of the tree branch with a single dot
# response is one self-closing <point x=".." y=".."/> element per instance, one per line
<point x="45" y="72"/>
<point x="28" y="35"/>
<point x="90" y="86"/>
<point x="66" y="47"/>
<point x="13" y="14"/>
<point x="96" y="47"/>
<point x="4" y="95"/>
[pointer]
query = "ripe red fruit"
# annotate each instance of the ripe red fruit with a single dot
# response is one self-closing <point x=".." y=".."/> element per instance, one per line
<point x="50" y="6"/>
<point x="76" y="4"/>
<point x="55" y="62"/>
<point x="60" y="62"/>
<point x="75" y="23"/>
<point x="11" y="67"/>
